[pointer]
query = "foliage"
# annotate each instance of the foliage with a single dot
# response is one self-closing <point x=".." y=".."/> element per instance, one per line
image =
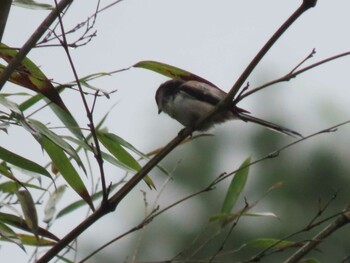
<point x="75" y="158"/>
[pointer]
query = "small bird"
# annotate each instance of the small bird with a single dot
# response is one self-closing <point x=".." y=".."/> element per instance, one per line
<point x="190" y="101"/>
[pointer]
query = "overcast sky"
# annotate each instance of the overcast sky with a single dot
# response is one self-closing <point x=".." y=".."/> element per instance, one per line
<point x="214" y="39"/>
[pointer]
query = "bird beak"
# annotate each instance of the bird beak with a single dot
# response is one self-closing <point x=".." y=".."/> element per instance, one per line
<point x="159" y="111"/>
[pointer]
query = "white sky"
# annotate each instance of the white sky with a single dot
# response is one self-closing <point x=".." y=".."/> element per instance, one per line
<point x="214" y="39"/>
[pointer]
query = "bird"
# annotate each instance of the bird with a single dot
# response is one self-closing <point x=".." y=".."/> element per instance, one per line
<point x="189" y="101"/>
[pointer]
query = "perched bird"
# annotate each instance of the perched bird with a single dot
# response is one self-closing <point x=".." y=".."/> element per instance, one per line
<point x="189" y="101"/>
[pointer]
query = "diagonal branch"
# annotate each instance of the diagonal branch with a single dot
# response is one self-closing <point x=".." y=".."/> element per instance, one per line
<point x="294" y="73"/>
<point x="113" y="202"/>
<point x="341" y="221"/>
<point x="31" y="42"/>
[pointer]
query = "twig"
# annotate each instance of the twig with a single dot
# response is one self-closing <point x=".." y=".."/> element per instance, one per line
<point x="290" y="75"/>
<point x="341" y="221"/>
<point x="107" y="207"/>
<point x="312" y="53"/>
<point x="89" y="113"/>
<point x="5" y="6"/>
<point x="277" y="152"/>
<point x="16" y="61"/>
<point x="233" y="225"/>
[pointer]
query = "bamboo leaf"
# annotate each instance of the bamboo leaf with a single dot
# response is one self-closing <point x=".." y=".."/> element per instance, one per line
<point x="171" y="71"/>
<point x="29" y="210"/>
<point x="22" y="162"/>
<point x="50" y="207"/>
<point x="236" y="187"/>
<point x="43" y="130"/>
<point x="66" y="169"/>
<point x="9" y="235"/>
<point x="111" y="142"/>
<point x="20" y="223"/>
<point x="29" y="75"/>
<point x="75" y="205"/>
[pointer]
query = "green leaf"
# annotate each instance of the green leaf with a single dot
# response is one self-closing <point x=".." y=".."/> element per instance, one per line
<point x="112" y="144"/>
<point x="31" y="4"/>
<point x="231" y="216"/>
<point x="43" y="130"/>
<point x="11" y="187"/>
<point x="22" y="162"/>
<point x="309" y="260"/>
<point x="34" y="241"/>
<point x="29" y="210"/>
<point x="9" y="235"/>
<point x="75" y="205"/>
<point x="107" y="157"/>
<point x="171" y="71"/>
<point x="263" y="243"/>
<point x="236" y="187"/>
<point x="10" y="105"/>
<point x="29" y="75"/>
<point x="68" y="120"/>
<point x="66" y="169"/>
<point x="20" y="223"/>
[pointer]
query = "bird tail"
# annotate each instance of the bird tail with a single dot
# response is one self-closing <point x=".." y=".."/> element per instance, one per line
<point x="248" y="118"/>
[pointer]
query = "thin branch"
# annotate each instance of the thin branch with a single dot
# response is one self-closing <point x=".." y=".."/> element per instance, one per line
<point x="276" y="153"/>
<point x="107" y="207"/>
<point x="306" y="4"/>
<point x="233" y="225"/>
<point x="16" y="61"/>
<point x="311" y="54"/>
<point x="290" y="75"/>
<point x="309" y="226"/>
<point x="341" y="221"/>
<point x="89" y="113"/>
<point x="5" y="6"/>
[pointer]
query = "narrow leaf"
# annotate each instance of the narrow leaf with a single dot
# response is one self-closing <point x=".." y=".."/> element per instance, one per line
<point x="20" y="223"/>
<point x="43" y="130"/>
<point x="29" y="210"/>
<point x="111" y="142"/>
<point x="22" y="162"/>
<point x="67" y="170"/>
<point x="75" y="205"/>
<point x="33" y="241"/>
<point x="50" y="207"/>
<point x="236" y="187"/>
<point x="11" y="187"/>
<point x="310" y="260"/>
<point x="229" y="217"/>
<point x="31" y="4"/>
<point x="263" y="243"/>
<point x="29" y="75"/>
<point x="9" y="235"/>
<point x="170" y="71"/>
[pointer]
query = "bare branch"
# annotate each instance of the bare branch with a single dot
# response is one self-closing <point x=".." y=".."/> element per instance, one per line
<point x="341" y="221"/>
<point x="292" y="74"/>
<point x="31" y="42"/>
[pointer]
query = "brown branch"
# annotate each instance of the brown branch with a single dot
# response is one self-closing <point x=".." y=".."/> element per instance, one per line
<point x="16" y="61"/>
<point x="113" y="202"/>
<point x="5" y="6"/>
<point x="341" y="221"/>
<point x="306" y="4"/>
<point x="294" y="73"/>
<point x="89" y="112"/>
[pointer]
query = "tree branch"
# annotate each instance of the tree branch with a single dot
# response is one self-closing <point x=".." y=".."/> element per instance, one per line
<point x="113" y="202"/>
<point x="5" y="6"/>
<point x="16" y="61"/>
<point x="341" y="221"/>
